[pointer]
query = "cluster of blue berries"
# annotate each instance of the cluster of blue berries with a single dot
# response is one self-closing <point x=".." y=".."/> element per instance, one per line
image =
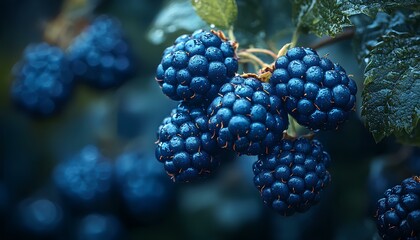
<point x="100" y="55"/>
<point x="291" y="178"/>
<point x="99" y="197"/>
<point x="195" y="67"/>
<point x="398" y="212"/>
<point x="88" y="181"/>
<point x="316" y="92"/>
<point x="45" y="76"/>
<point x="42" y="80"/>
<point x="222" y="110"/>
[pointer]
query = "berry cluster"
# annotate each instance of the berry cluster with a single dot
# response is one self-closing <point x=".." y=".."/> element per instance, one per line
<point x="196" y="66"/>
<point x="45" y="76"/>
<point x="43" y="80"/>
<point x="185" y="145"/>
<point x="398" y="212"/>
<point x="222" y="110"/>
<point x="100" y="55"/>
<point x="91" y="197"/>
<point x="316" y="92"/>
<point x="291" y="178"/>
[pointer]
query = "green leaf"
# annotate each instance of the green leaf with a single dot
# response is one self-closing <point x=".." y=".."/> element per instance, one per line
<point x="221" y="13"/>
<point x="320" y="16"/>
<point x="371" y="7"/>
<point x="329" y="17"/>
<point x="391" y="96"/>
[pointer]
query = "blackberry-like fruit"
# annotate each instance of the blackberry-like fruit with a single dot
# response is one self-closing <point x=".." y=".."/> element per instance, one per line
<point x="100" y="55"/>
<point x="316" y="92"/>
<point x="85" y="180"/>
<point x="42" y="80"/>
<point x="196" y="66"/>
<point x="145" y="189"/>
<point x="398" y="214"/>
<point x="292" y="177"/>
<point x="247" y="116"/>
<point x="100" y="227"/>
<point x="185" y="145"/>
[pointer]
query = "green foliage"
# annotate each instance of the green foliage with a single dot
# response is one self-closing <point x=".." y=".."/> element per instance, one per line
<point x="391" y="96"/>
<point x="371" y="7"/>
<point x="320" y="17"/>
<point x="329" y="17"/>
<point x="221" y="13"/>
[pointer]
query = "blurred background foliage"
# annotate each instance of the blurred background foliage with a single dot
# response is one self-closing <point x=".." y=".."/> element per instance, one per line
<point x="224" y="207"/>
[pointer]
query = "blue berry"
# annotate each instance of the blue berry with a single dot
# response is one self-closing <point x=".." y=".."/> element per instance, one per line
<point x="42" y="80"/>
<point x="100" y="55"/>
<point x="185" y="145"/>
<point x="145" y="189"/>
<point x="85" y="180"/>
<point x="316" y="92"/>
<point x="100" y="227"/>
<point x="292" y="176"/>
<point x="246" y="116"/>
<point x="195" y="69"/>
<point x="398" y="212"/>
<point x="39" y="216"/>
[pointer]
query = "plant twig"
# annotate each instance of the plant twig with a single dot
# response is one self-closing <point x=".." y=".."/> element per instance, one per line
<point x="252" y="57"/>
<point x="347" y="34"/>
<point x="261" y="50"/>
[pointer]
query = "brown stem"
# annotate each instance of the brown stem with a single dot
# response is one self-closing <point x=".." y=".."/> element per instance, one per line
<point x="347" y="34"/>
<point x="261" y="50"/>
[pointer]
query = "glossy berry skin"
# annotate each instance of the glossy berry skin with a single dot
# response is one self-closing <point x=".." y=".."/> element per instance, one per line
<point x="247" y="117"/>
<point x="292" y="177"/>
<point x="42" y="80"/>
<point x="185" y="145"/>
<point x="196" y="66"/>
<point x="316" y="92"/>
<point x="100" y="55"/>
<point x="85" y="180"/>
<point x="398" y="214"/>
<point x="145" y="190"/>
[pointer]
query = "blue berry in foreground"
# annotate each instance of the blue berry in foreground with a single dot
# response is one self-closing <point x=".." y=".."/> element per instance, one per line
<point x="196" y="66"/>
<point x="292" y="177"/>
<point x="85" y="180"/>
<point x="40" y="217"/>
<point x="42" y="80"/>
<point x="100" y="227"/>
<point x="246" y="116"/>
<point x="145" y="189"/>
<point x="100" y="55"/>
<point x="316" y="92"/>
<point x="185" y="145"/>
<point x="398" y="214"/>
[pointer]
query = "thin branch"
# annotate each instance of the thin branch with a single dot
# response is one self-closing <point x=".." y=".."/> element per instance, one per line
<point x="347" y="34"/>
<point x="261" y="50"/>
<point x="252" y="57"/>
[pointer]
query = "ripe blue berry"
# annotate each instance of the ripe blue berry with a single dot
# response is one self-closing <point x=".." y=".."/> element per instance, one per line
<point x="185" y="145"/>
<point x="398" y="212"/>
<point x="196" y="66"/>
<point x="144" y="188"/>
<point x="316" y="92"/>
<point x="85" y="180"/>
<point x="292" y="177"/>
<point x="42" y="80"/>
<point x="246" y="116"/>
<point x="100" y="55"/>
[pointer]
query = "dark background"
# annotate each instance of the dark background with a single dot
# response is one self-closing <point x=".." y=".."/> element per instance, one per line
<point x="228" y="205"/>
